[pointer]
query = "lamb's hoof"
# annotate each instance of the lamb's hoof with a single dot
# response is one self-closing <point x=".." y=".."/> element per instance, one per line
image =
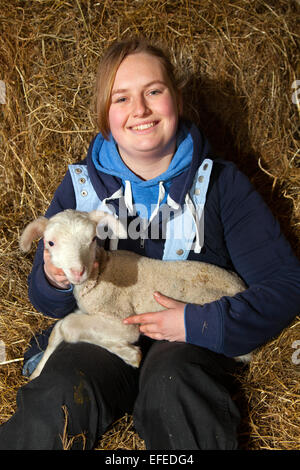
<point x="132" y="356"/>
<point x="34" y="374"/>
<point x="136" y="359"/>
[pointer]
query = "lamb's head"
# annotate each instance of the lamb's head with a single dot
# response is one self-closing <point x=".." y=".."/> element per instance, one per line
<point x="70" y="238"/>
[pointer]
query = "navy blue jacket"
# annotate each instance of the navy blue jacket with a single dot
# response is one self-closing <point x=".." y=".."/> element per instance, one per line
<point x="241" y="234"/>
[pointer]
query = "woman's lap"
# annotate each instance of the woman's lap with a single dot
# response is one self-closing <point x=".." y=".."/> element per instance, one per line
<point x="179" y="398"/>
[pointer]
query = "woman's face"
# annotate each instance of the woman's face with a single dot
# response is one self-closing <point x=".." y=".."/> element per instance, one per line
<point x="143" y="114"/>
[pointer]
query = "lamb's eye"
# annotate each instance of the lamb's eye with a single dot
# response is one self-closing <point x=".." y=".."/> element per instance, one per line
<point x="51" y="243"/>
<point x="94" y="239"/>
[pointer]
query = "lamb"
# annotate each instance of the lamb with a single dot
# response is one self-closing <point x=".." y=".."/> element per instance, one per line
<point x="122" y="285"/>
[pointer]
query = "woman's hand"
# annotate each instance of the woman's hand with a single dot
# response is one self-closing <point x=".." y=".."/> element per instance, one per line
<point x="56" y="276"/>
<point x="167" y="324"/>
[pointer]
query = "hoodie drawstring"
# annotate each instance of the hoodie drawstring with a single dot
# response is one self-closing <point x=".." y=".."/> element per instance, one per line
<point x="192" y="209"/>
<point x="129" y="202"/>
<point x="161" y="195"/>
<point x="128" y="197"/>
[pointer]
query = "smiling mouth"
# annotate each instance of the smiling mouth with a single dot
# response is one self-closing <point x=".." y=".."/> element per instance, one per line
<point x="145" y="126"/>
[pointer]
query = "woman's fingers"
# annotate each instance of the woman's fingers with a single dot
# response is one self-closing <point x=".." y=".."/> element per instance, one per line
<point x="55" y="276"/>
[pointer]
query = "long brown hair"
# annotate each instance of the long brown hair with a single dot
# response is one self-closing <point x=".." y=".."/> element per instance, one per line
<point x="107" y="70"/>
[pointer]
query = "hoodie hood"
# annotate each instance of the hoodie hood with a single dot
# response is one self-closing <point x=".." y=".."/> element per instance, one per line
<point x="106" y="158"/>
<point x="148" y="195"/>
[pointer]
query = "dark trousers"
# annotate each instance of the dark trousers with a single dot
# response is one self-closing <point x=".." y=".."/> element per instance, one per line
<point x="180" y="399"/>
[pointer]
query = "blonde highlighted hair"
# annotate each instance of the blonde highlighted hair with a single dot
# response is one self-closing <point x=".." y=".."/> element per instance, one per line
<point x="107" y="70"/>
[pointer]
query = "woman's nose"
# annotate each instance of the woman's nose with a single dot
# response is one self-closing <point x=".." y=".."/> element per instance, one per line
<point x="140" y="107"/>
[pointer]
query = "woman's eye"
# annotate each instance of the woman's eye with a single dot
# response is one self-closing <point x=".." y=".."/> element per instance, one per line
<point x="154" y="92"/>
<point x="121" y="100"/>
<point x="51" y="243"/>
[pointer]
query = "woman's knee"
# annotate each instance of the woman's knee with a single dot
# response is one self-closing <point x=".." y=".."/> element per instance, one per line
<point x="61" y="384"/>
<point x="85" y="371"/>
<point x="85" y="385"/>
<point x="183" y="402"/>
<point x="167" y="359"/>
<point x="179" y="374"/>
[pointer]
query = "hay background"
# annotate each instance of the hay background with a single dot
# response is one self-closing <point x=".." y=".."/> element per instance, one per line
<point x="242" y="58"/>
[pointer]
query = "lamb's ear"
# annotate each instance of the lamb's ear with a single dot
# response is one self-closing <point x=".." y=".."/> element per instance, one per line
<point x="33" y="231"/>
<point x="103" y="219"/>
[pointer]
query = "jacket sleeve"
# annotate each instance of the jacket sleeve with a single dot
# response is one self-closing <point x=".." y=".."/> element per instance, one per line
<point x="44" y="297"/>
<point x="264" y="260"/>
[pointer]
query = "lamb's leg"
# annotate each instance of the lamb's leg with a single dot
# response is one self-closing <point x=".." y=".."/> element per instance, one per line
<point x="108" y="332"/>
<point x="130" y="354"/>
<point x="54" y="340"/>
<point x="64" y="330"/>
<point x="245" y="359"/>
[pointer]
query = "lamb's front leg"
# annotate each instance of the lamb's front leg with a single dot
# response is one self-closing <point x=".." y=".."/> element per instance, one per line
<point x="67" y="330"/>
<point x="55" y="339"/>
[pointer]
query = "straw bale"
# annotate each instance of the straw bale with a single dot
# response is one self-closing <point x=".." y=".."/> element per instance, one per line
<point x="240" y="60"/>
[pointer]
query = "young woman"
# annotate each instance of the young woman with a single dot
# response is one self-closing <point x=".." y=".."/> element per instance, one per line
<point x="156" y="171"/>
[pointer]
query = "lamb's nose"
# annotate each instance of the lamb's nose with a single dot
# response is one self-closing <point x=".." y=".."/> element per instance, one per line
<point x="77" y="273"/>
